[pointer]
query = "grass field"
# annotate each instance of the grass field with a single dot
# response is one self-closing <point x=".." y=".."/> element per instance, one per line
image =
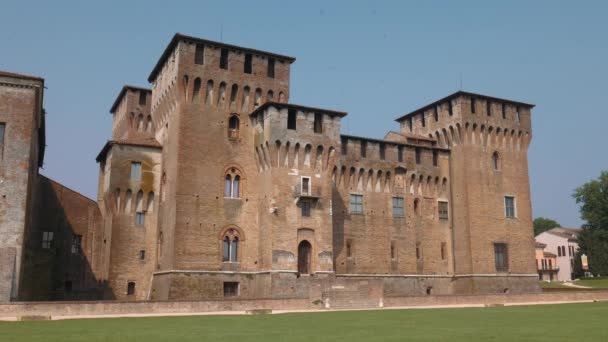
<point x="601" y="282"/>
<point x="578" y="322"/>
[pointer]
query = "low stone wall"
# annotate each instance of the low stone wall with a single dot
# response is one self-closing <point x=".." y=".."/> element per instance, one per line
<point x="118" y="308"/>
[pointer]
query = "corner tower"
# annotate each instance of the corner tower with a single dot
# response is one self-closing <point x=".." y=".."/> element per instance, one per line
<point x="492" y="232"/>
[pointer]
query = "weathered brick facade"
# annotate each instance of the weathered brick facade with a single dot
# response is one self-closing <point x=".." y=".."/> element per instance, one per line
<point x="214" y="185"/>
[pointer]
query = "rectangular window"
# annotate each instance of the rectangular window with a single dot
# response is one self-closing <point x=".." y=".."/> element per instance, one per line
<point x="443" y="251"/>
<point x="291" y="119"/>
<point x="398" y="207"/>
<point x="305" y="190"/>
<point x="504" y="111"/>
<point x="435" y="157"/>
<point x="140" y="219"/>
<point x="450" y="111"/>
<point x="473" y="105"/>
<point x="2" y="129"/>
<point x="130" y="288"/>
<point x="510" y="206"/>
<point x="344" y="145"/>
<point x="363" y="149"/>
<point x="270" y="71"/>
<point x="76" y="244"/>
<point x="418" y="155"/>
<point x="356" y="204"/>
<point x="305" y="206"/>
<point x="400" y="154"/>
<point x="410" y="123"/>
<point x="443" y="210"/>
<point x="422" y="119"/>
<point x="224" y="59"/>
<point x="247" y="63"/>
<point x="418" y="251"/>
<point x="135" y="171"/>
<point x="501" y="257"/>
<point x="382" y="151"/>
<point x="349" y="248"/>
<point x="47" y="240"/>
<point x="142" y="98"/>
<point x="199" y="54"/>
<point x="142" y="255"/>
<point x="489" y="108"/>
<point x="231" y="289"/>
<point x="318" y="123"/>
<point x="393" y="251"/>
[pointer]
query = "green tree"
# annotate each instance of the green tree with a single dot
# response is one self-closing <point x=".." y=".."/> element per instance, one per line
<point x="542" y="224"/>
<point x="593" y="200"/>
<point x="593" y="240"/>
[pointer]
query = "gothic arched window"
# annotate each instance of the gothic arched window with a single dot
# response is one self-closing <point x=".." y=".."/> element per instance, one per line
<point x="230" y="245"/>
<point x="232" y="183"/>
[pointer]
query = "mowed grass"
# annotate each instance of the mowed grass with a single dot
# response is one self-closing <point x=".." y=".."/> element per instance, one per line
<point x="599" y="283"/>
<point x="575" y="322"/>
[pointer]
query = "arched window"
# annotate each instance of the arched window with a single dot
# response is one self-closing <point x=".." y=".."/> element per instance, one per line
<point x="230" y="245"/>
<point x="417" y="206"/>
<point x="150" y="202"/>
<point x="149" y="124"/>
<point x="233" y="127"/>
<point x="221" y="98"/>
<point x="196" y="91"/>
<point x="496" y="161"/>
<point x="209" y="92"/>
<point x="128" y="196"/>
<point x="232" y="183"/>
<point x="140" y="122"/>
<point x="269" y="96"/>
<point x="233" y="92"/>
<point x="245" y="101"/>
<point x="257" y="98"/>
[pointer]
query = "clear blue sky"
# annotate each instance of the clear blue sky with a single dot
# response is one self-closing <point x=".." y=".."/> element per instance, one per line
<point x="375" y="60"/>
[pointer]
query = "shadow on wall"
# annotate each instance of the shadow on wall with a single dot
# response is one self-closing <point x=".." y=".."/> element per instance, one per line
<point x="339" y="213"/>
<point x="61" y="246"/>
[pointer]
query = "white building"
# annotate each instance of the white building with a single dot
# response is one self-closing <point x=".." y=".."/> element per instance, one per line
<point x="563" y="242"/>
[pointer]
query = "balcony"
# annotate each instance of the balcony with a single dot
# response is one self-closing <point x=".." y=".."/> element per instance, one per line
<point x="314" y="192"/>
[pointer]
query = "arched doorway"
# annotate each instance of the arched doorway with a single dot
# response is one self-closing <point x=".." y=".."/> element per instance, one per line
<point x="304" y="253"/>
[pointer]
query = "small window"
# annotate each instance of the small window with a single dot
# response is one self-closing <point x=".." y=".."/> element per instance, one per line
<point x="517" y="114"/>
<point x="398" y="207"/>
<point x="232" y="183"/>
<point x="305" y="206"/>
<point x="393" y="251"/>
<point x="291" y="119"/>
<point x="247" y="67"/>
<point x="435" y="113"/>
<point x="270" y="71"/>
<point x="356" y="204"/>
<point x="489" y="108"/>
<point x="495" y="161"/>
<point x="135" y="171"/>
<point x="142" y="255"/>
<point x="130" y="288"/>
<point x="410" y="124"/>
<point x="344" y="146"/>
<point x="363" y="149"/>
<point x="510" y="206"/>
<point x="450" y="111"/>
<point x="140" y="218"/>
<point x="417" y="206"/>
<point x="2" y="129"/>
<point x="47" y="240"/>
<point x="422" y="119"/>
<point x="305" y="186"/>
<point x="318" y="123"/>
<point x="418" y="251"/>
<point x="142" y="98"/>
<point x="473" y="105"/>
<point x="435" y="157"/>
<point x="199" y="54"/>
<point x="382" y="151"/>
<point x="349" y="248"/>
<point x="230" y="243"/>
<point x="504" y="111"/>
<point x="500" y="257"/>
<point x="443" y="210"/>
<point x="418" y="155"/>
<point x="233" y="127"/>
<point x="443" y="251"/>
<point x="400" y="154"/>
<point x="231" y="289"/>
<point x="224" y="59"/>
<point x="76" y="244"/>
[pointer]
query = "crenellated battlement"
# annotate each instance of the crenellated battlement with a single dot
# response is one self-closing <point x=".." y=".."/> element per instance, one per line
<point x="132" y="114"/>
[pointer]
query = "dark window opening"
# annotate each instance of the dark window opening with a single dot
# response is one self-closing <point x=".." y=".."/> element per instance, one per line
<point x="231" y="289"/>
<point x="248" y="63"/>
<point x="489" y="108"/>
<point x="363" y="149"/>
<point x="501" y="257"/>
<point x="2" y="129"/>
<point x="443" y="251"/>
<point x="393" y="251"/>
<point x="435" y="157"/>
<point x="344" y="146"/>
<point x="76" y="244"/>
<point x="67" y="286"/>
<point x="418" y="155"/>
<point x="291" y="119"/>
<point x="435" y="113"/>
<point x="422" y="119"/>
<point x="270" y="71"/>
<point x="518" y="116"/>
<point x="410" y="124"/>
<point x="318" y="123"/>
<point x="349" y="249"/>
<point x="199" y="54"/>
<point x="382" y="151"/>
<point x="305" y="185"/>
<point x="224" y="59"/>
<point x="450" y="108"/>
<point x="504" y="111"/>
<point x="400" y="154"/>
<point x="305" y="206"/>
<point x="429" y="290"/>
<point x="233" y="127"/>
<point x="443" y="210"/>
<point x="130" y="288"/>
<point x="418" y="251"/>
<point x="473" y="105"/>
<point x="142" y="255"/>
<point x="142" y="98"/>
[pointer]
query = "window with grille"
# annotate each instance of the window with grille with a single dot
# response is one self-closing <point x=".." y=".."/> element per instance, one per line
<point x="47" y="240"/>
<point x="305" y="206"/>
<point x="140" y="218"/>
<point x="135" y="171"/>
<point x="199" y="54"/>
<point x="398" y="207"/>
<point x="76" y="244"/>
<point x="500" y="257"/>
<point x="443" y="210"/>
<point x="356" y="204"/>
<point x="231" y="289"/>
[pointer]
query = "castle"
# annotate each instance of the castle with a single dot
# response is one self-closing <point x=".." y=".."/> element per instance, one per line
<point x="213" y="185"/>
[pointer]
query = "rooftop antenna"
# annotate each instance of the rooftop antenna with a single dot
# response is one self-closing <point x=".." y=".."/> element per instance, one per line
<point x="460" y="85"/>
<point x="222" y="33"/>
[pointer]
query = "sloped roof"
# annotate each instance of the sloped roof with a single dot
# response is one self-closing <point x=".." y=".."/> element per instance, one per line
<point x="143" y="142"/>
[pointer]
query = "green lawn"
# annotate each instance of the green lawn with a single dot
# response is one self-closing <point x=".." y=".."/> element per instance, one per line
<point x="600" y="283"/>
<point x="577" y="322"/>
<point x="555" y="285"/>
